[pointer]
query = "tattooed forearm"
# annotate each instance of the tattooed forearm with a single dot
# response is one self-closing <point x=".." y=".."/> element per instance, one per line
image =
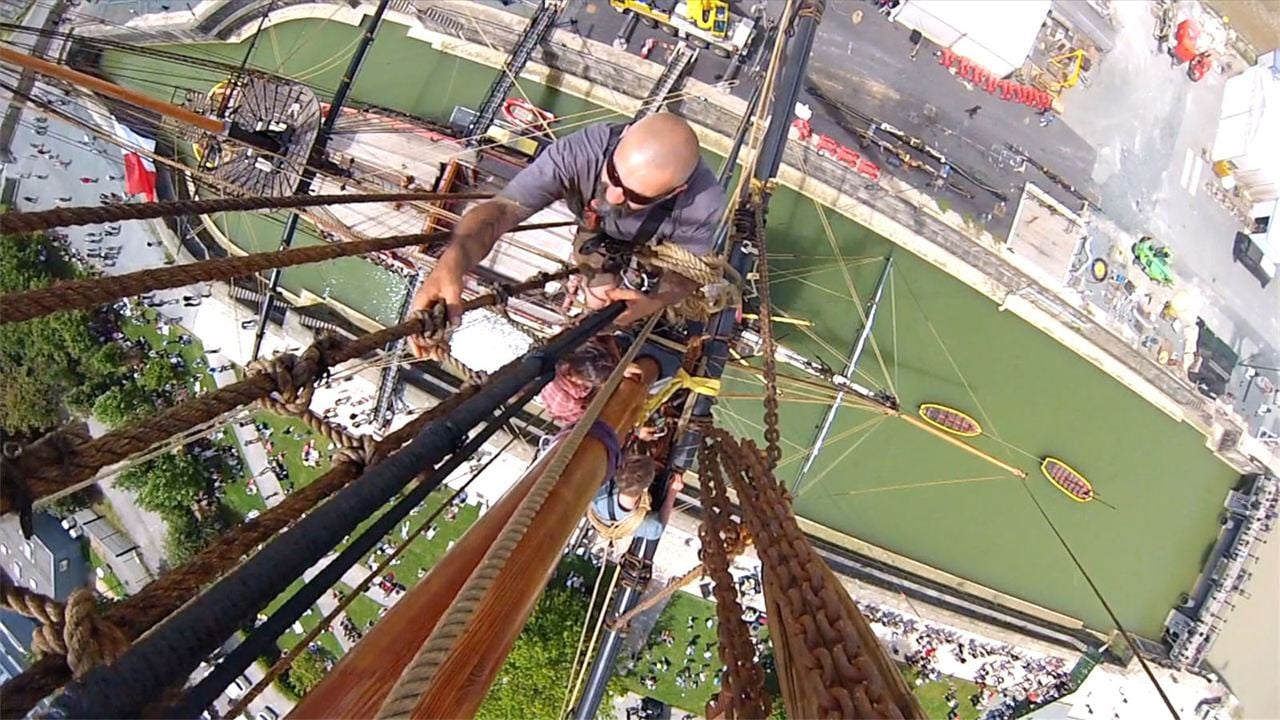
<point x="478" y="231"/>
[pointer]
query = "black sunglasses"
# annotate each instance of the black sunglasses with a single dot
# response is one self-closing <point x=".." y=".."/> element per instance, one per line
<point x="632" y="196"/>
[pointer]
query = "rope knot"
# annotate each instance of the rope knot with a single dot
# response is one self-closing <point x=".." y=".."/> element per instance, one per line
<point x="295" y="378"/>
<point x="75" y="629"/>
<point x="434" y="330"/>
<point x="362" y="451"/>
<point x="90" y="639"/>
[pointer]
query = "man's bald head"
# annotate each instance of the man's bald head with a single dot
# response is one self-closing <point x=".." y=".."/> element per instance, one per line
<point x="656" y="156"/>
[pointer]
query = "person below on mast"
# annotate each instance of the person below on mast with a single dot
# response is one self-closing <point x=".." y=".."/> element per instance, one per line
<point x="631" y="184"/>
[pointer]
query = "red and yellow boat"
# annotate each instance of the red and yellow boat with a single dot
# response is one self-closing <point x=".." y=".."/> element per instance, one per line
<point x="950" y="419"/>
<point x="1067" y="479"/>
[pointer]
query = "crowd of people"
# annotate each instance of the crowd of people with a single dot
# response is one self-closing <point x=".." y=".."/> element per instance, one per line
<point x="1005" y="675"/>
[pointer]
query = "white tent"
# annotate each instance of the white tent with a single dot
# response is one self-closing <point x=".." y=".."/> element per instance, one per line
<point x="1249" y="128"/>
<point x="996" y="34"/>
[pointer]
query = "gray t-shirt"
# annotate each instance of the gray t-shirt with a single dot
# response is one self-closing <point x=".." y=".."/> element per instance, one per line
<point x="570" y="169"/>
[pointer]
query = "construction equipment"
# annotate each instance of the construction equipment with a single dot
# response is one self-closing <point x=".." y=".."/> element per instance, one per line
<point x="703" y="23"/>
<point x="709" y="15"/>
<point x="1155" y="260"/>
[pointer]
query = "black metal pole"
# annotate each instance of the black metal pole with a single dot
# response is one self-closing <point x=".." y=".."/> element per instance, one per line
<point x="268" y="633"/>
<point x="316" y="156"/>
<point x="244" y="62"/>
<point x="723" y="328"/>
<point x="602" y="668"/>
<point x="168" y="654"/>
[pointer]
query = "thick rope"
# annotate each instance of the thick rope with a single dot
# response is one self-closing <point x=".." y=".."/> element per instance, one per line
<point x="17" y="222"/>
<point x="51" y="470"/>
<point x="668" y="256"/>
<point x="139" y="613"/>
<point x="91" y="292"/>
<point x="74" y="629"/>
<point x="419" y="673"/>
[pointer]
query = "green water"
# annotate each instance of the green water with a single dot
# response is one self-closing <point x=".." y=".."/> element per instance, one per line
<point x="1037" y="396"/>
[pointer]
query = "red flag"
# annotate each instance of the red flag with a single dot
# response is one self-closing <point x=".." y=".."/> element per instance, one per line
<point x="138" y="179"/>
<point x="139" y="171"/>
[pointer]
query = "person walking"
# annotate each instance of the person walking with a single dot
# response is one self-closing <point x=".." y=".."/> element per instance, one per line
<point x="916" y="39"/>
<point x="1047" y="117"/>
<point x="973" y="111"/>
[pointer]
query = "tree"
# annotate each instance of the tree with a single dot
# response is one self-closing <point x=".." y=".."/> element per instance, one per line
<point x="51" y="362"/>
<point x="187" y="534"/>
<point x="536" y="675"/>
<point x="157" y="374"/>
<point x="172" y="481"/>
<point x="308" y="669"/>
<point x="123" y="403"/>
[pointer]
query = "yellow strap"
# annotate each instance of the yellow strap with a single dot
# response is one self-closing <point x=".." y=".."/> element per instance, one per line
<point x="682" y="381"/>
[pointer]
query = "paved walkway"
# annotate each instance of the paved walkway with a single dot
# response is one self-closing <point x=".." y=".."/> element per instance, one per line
<point x="250" y="440"/>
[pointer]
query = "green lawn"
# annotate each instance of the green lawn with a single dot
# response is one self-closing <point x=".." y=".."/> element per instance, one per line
<point x="675" y="617"/>
<point x="235" y="495"/>
<point x="144" y="327"/>
<point x="932" y="695"/>
<point x="113" y="583"/>
<point x="362" y="610"/>
<point x="299" y="474"/>
<point x="421" y="553"/>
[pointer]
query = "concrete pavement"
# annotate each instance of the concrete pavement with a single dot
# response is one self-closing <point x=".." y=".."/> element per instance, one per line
<point x="1152" y="127"/>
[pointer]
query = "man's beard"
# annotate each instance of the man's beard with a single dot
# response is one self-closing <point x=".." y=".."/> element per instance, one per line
<point x="607" y="210"/>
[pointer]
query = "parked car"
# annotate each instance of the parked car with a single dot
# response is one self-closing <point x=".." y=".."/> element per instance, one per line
<point x="267" y="713"/>
<point x="239" y="687"/>
<point x="1247" y="253"/>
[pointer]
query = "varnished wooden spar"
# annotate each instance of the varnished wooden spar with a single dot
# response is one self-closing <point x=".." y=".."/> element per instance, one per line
<point x="359" y="683"/>
<point x="463" y="679"/>
<point x="356" y="686"/>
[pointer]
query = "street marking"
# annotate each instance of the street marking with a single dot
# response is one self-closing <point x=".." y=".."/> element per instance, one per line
<point x="1187" y="166"/>
<point x="1195" y="177"/>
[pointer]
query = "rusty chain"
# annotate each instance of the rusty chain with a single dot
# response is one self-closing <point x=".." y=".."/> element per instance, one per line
<point x="748" y="225"/>
<point x="742" y="692"/>
<point x="829" y="648"/>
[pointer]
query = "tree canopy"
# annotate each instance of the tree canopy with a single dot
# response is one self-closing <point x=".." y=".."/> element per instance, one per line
<point x="309" y="668"/>
<point x="122" y="403"/>
<point x="166" y="482"/>
<point x="535" y="677"/>
<point x="50" y="363"/>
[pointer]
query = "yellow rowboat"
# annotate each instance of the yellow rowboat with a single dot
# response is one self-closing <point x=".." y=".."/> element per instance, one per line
<point x="1065" y="478"/>
<point x="950" y="419"/>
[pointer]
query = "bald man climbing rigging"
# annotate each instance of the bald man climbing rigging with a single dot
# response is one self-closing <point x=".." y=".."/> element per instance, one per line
<point x="628" y="185"/>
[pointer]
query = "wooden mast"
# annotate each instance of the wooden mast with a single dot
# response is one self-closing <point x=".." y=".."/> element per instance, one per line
<point x="464" y="677"/>
<point x="358" y="684"/>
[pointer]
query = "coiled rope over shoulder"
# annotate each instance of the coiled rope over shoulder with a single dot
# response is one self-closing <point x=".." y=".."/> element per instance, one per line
<point x="669" y="256"/>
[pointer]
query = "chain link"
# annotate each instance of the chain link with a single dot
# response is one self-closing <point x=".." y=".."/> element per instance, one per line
<point x="835" y="658"/>
<point x="749" y="226"/>
<point x="742" y="692"/>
